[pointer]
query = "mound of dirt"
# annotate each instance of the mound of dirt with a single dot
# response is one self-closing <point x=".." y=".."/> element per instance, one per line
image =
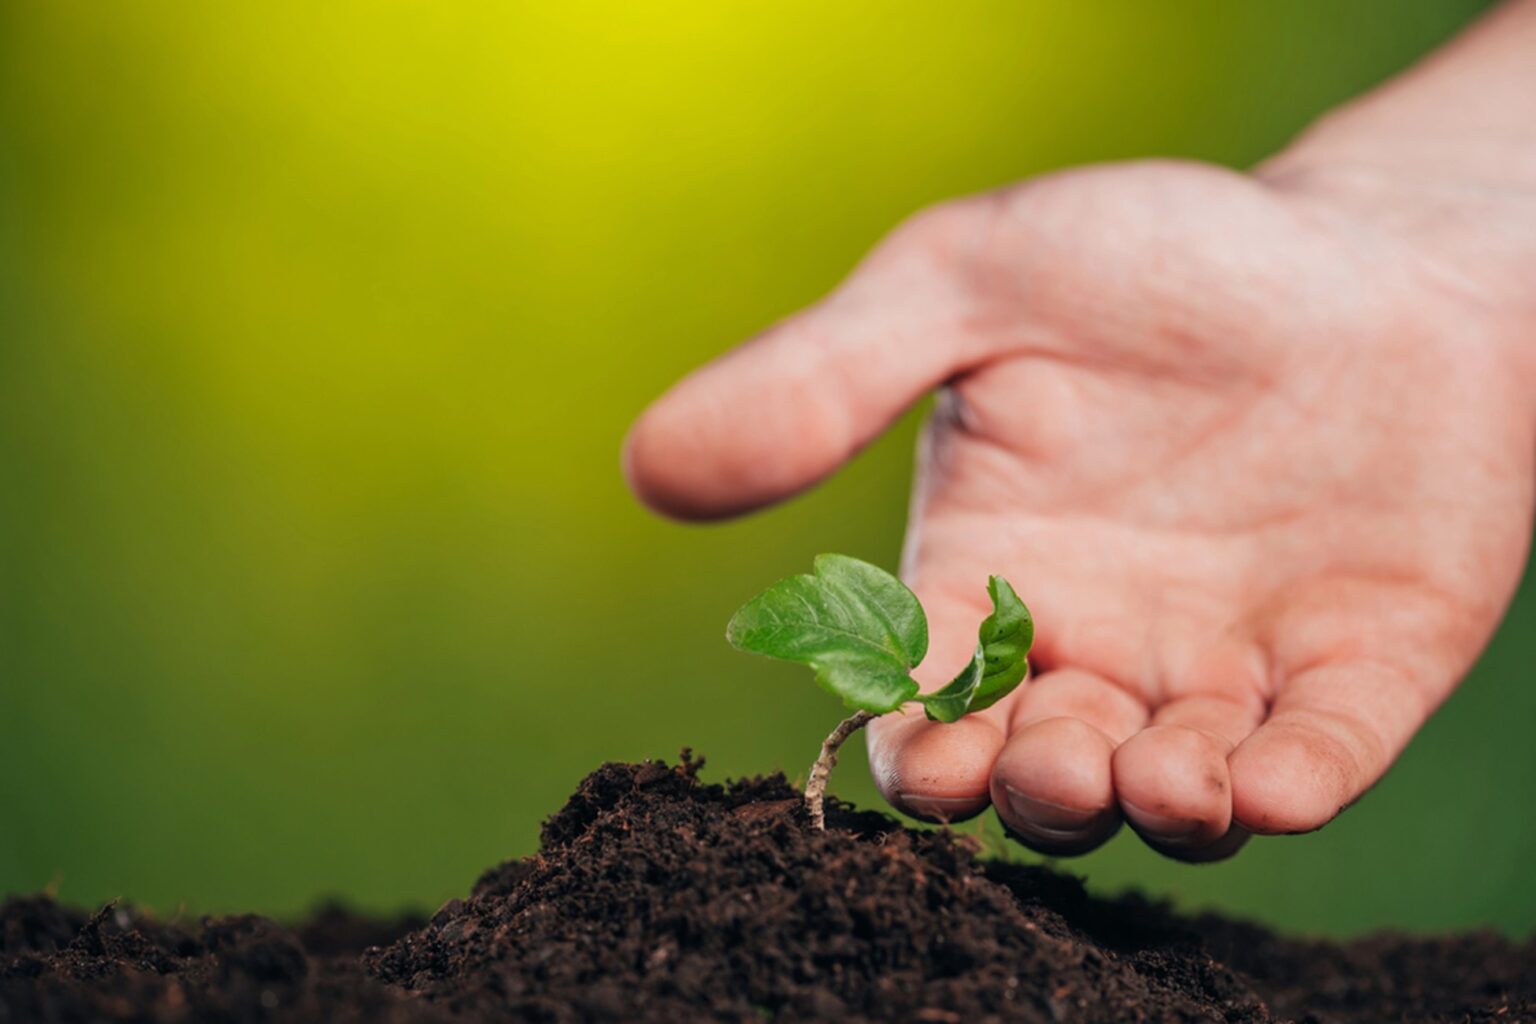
<point x="657" y="897"/>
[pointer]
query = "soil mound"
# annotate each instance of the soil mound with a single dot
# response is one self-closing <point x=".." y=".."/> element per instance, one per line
<point x="657" y="897"/>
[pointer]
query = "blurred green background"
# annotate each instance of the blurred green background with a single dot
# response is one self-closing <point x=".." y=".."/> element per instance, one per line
<point x="320" y="325"/>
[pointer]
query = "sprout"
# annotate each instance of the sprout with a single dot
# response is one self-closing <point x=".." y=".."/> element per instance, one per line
<point x="863" y="632"/>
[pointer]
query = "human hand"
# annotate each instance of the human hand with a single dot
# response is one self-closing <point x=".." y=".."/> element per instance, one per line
<point x="1257" y="456"/>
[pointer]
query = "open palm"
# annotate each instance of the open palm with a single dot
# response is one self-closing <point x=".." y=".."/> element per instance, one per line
<point x="1261" y="468"/>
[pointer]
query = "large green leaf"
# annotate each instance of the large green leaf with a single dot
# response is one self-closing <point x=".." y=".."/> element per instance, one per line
<point x="1000" y="663"/>
<point x="857" y="625"/>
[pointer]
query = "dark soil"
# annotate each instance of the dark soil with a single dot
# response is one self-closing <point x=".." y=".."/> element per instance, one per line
<point x="659" y="898"/>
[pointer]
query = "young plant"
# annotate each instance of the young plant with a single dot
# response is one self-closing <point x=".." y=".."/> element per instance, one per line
<point x="863" y="632"/>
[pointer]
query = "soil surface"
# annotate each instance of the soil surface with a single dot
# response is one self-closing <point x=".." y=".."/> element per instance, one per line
<point x="657" y="897"/>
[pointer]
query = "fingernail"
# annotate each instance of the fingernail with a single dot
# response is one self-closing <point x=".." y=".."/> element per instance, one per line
<point x="1055" y="822"/>
<point x="940" y="807"/>
<point x="1159" y="826"/>
<point x="1045" y="814"/>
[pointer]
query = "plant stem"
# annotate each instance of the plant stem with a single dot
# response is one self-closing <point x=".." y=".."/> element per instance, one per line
<point x="816" y="785"/>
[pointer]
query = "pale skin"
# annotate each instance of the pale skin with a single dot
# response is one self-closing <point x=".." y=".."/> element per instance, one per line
<point x="1257" y="450"/>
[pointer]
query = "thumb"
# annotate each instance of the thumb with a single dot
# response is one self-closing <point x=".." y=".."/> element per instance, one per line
<point x="786" y="409"/>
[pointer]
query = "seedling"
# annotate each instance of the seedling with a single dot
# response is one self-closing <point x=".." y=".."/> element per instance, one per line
<point x="863" y="632"/>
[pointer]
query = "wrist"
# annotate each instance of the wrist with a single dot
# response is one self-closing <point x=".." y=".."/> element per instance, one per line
<point x="1473" y="244"/>
<point x="1443" y="157"/>
<point x="1462" y="116"/>
<point x="1473" y="221"/>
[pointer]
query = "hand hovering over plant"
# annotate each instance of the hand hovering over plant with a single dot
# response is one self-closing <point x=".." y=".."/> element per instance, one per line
<point x="1257" y="450"/>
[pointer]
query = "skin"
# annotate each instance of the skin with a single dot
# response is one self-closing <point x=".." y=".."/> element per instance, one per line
<point x="1255" y="448"/>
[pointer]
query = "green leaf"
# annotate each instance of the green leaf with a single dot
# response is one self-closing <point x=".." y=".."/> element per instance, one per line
<point x="855" y="624"/>
<point x="1006" y="637"/>
<point x="1000" y="663"/>
<point x="951" y="703"/>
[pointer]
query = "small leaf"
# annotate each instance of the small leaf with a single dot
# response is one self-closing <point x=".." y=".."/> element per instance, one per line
<point x="952" y="702"/>
<point x="855" y="624"/>
<point x="1006" y="637"/>
<point x="1000" y="663"/>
